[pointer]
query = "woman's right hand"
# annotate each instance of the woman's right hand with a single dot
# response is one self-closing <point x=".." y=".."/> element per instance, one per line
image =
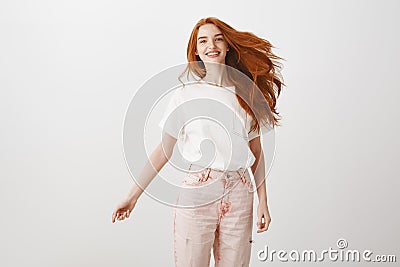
<point x="123" y="210"/>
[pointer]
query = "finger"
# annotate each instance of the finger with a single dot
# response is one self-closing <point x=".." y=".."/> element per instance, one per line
<point x="128" y="213"/>
<point x="261" y="221"/>
<point x="113" y="217"/>
<point x="264" y="228"/>
<point x="117" y="214"/>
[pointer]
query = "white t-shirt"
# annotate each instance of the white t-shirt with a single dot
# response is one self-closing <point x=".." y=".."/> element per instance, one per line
<point x="212" y="129"/>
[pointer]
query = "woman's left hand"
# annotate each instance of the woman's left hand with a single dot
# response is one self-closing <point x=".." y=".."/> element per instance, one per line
<point x="264" y="219"/>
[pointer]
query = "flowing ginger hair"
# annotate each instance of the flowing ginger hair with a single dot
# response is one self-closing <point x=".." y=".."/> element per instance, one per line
<point x="252" y="56"/>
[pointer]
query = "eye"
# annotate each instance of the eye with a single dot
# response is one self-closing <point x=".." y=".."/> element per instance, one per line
<point x="219" y="39"/>
<point x="202" y="41"/>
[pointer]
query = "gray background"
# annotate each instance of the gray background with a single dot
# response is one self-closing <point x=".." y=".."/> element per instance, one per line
<point x="68" y="70"/>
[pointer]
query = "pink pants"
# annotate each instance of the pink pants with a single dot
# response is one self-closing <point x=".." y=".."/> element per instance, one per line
<point x="218" y="216"/>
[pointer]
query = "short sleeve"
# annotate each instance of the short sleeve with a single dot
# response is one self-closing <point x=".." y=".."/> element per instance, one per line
<point x="264" y="128"/>
<point x="172" y="120"/>
<point x="249" y="123"/>
<point x="253" y="134"/>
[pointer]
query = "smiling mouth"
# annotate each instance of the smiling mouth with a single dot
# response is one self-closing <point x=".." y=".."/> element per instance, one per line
<point x="213" y="54"/>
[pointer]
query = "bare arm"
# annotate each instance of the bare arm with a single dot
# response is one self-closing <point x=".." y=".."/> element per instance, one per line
<point x="258" y="169"/>
<point x="156" y="162"/>
<point x="159" y="157"/>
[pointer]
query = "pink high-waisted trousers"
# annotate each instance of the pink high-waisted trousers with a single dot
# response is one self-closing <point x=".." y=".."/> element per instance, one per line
<point x="218" y="216"/>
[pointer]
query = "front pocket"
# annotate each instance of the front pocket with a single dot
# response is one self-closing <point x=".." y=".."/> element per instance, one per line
<point x="195" y="178"/>
<point x="246" y="180"/>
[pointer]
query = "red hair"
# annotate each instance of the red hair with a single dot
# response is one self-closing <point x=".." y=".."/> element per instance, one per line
<point x="252" y="56"/>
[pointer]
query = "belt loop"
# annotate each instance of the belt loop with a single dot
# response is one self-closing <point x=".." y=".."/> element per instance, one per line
<point x="242" y="176"/>
<point x="208" y="172"/>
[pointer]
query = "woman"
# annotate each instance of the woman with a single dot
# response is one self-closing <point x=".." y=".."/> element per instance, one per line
<point x="224" y="223"/>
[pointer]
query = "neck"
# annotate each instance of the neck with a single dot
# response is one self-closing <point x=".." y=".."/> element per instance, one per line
<point x="216" y="74"/>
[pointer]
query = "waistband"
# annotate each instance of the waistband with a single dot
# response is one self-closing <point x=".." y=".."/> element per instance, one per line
<point x="210" y="171"/>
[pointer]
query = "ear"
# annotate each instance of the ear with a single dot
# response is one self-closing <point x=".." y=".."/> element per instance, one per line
<point x="196" y="53"/>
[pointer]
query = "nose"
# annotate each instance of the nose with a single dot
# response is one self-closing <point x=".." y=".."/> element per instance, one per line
<point x="212" y="44"/>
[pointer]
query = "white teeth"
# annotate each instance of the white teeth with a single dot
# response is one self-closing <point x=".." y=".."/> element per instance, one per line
<point x="213" y="53"/>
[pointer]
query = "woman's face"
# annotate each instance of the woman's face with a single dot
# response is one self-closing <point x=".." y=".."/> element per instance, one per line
<point x="211" y="44"/>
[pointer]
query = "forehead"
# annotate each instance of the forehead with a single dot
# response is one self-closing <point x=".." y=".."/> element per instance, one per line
<point x="208" y="29"/>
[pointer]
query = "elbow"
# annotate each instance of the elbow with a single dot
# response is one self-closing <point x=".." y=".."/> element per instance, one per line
<point x="166" y="147"/>
<point x="165" y="153"/>
<point x="168" y="154"/>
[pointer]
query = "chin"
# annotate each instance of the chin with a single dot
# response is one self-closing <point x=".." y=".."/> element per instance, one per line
<point x="214" y="61"/>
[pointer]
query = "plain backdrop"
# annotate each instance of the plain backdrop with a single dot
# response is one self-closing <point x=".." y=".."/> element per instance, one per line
<point x="68" y="70"/>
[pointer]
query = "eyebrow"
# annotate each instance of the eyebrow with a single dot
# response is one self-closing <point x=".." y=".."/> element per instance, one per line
<point x="201" y="37"/>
